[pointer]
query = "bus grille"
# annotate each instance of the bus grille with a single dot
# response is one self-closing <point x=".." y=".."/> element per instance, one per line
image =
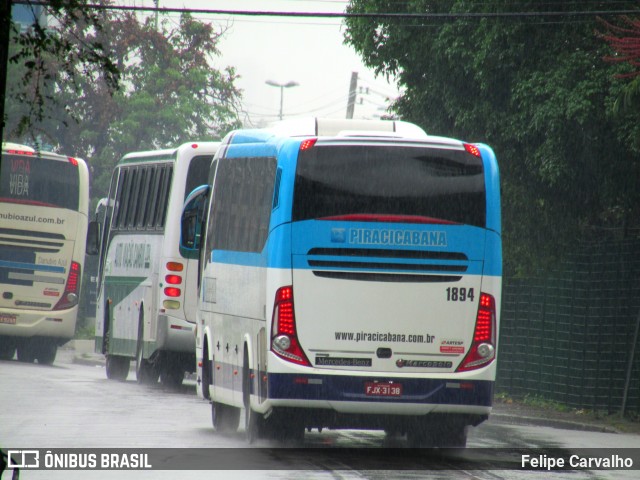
<point x="383" y="265"/>
<point x="31" y="241"/>
<point x="18" y="249"/>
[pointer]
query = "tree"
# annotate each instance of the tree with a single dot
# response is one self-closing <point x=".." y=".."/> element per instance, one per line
<point x="31" y="46"/>
<point x="535" y="89"/>
<point x="169" y="93"/>
<point x="624" y="39"/>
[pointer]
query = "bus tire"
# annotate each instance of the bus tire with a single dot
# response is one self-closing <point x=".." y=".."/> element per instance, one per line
<point x="45" y="352"/>
<point x="146" y="373"/>
<point x="7" y="348"/>
<point x="172" y="377"/>
<point x="106" y="328"/>
<point x="171" y="371"/>
<point x="285" y="428"/>
<point x="420" y="435"/>
<point x="207" y="374"/>
<point x="224" y="418"/>
<point x="117" y="367"/>
<point x="26" y="352"/>
<point x="455" y="437"/>
<point x="430" y="434"/>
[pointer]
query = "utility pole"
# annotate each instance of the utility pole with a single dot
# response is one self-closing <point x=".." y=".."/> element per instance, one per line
<point x="353" y="87"/>
<point x="5" y="28"/>
<point x="157" y="2"/>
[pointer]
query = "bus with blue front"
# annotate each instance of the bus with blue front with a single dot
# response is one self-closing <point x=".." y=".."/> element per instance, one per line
<point x="350" y="277"/>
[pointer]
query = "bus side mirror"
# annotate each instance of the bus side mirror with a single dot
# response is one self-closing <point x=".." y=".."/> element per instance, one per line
<point x="191" y="221"/>
<point x="93" y="238"/>
<point x="190" y="235"/>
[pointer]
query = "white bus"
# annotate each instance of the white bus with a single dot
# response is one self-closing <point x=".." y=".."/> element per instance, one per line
<point x="44" y="202"/>
<point x="351" y="278"/>
<point x="146" y="286"/>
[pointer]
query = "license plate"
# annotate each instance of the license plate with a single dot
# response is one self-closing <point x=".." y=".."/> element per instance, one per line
<point x="8" y="319"/>
<point x="383" y="389"/>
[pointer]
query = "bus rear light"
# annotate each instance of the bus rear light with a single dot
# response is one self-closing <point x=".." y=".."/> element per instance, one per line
<point x="284" y="336"/>
<point x="307" y="144"/>
<point x="175" y="266"/>
<point x="483" y="350"/>
<point x="171" y="304"/>
<point x="72" y="290"/>
<point x="73" y="161"/>
<point x="173" y="279"/>
<point x="20" y="152"/>
<point x="472" y="149"/>
<point x="172" y="292"/>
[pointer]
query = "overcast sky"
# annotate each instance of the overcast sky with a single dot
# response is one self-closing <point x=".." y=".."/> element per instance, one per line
<point x="307" y="51"/>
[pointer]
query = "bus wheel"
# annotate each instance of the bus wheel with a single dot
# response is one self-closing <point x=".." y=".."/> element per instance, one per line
<point x="224" y="418"/>
<point x="206" y="372"/>
<point x="455" y="437"/>
<point x="171" y="372"/>
<point x="420" y="435"/>
<point x="26" y="352"/>
<point x="45" y="352"/>
<point x="286" y="429"/>
<point x="443" y="434"/>
<point x="7" y="348"/>
<point x="146" y="373"/>
<point x="117" y="367"/>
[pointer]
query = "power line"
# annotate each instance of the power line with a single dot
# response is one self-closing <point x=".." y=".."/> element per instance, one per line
<point x="376" y="15"/>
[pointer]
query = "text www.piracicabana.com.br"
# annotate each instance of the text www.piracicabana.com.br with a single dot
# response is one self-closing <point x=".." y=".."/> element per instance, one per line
<point x="32" y="218"/>
<point x="383" y="337"/>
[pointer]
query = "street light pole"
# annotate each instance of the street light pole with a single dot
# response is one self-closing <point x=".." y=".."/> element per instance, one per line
<point x="282" y="86"/>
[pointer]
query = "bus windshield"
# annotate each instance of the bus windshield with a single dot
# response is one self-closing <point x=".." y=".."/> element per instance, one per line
<point x="39" y="181"/>
<point x="358" y="182"/>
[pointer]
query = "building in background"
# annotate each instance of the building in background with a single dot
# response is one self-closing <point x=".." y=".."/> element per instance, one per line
<point x="26" y="15"/>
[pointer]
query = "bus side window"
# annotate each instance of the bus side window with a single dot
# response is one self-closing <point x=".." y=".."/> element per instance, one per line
<point x="163" y="196"/>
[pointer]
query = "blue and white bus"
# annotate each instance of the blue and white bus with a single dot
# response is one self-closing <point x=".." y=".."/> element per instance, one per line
<point x="350" y="278"/>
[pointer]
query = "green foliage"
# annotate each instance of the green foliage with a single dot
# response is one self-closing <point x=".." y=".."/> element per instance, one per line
<point x="538" y="91"/>
<point x="168" y="91"/>
<point x="39" y="53"/>
<point x="539" y="401"/>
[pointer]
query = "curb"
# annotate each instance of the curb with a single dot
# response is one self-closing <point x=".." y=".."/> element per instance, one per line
<point x="551" y="422"/>
<point x="83" y="352"/>
<point x="90" y="361"/>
